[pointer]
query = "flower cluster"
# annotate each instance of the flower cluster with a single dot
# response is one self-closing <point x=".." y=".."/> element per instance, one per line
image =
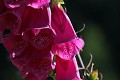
<point x="33" y="32"/>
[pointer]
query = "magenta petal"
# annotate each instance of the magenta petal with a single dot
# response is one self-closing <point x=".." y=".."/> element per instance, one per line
<point x="70" y="73"/>
<point x="37" y="3"/>
<point x="41" y="67"/>
<point x="62" y="25"/>
<point x="14" y="44"/>
<point x="13" y="3"/>
<point x="68" y="49"/>
<point x="35" y="18"/>
<point x="78" y="42"/>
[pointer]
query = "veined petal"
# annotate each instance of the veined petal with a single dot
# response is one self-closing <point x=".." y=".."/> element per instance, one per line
<point x="62" y="25"/>
<point x="37" y="3"/>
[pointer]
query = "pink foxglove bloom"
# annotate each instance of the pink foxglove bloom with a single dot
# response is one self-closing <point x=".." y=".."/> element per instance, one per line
<point x="66" y="45"/>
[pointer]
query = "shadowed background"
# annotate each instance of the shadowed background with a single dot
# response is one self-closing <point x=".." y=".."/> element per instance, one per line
<point x="101" y="36"/>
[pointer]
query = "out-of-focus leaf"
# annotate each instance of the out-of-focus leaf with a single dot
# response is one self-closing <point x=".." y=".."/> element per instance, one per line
<point x="94" y="75"/>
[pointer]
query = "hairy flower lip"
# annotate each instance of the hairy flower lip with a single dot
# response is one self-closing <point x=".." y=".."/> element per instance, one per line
<point x="68" y="49"/>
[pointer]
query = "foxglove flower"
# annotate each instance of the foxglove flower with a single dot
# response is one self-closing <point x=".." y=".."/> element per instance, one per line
<point x="66" y="46"/>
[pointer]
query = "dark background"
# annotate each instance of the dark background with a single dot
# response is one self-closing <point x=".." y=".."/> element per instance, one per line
<point x="101" y="36"/>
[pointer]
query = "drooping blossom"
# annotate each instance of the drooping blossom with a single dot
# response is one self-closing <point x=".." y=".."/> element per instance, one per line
<point x="66" y="46"/>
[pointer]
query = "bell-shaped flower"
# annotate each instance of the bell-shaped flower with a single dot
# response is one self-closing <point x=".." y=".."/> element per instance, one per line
<point x="62" y="25"/>
<point x="35" y="18"/>
<point x="66" y="65"/>
<point x="66" y="46"/>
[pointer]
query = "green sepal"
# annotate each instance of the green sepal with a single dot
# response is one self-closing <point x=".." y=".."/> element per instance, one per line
<point x="59" y="1"/>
